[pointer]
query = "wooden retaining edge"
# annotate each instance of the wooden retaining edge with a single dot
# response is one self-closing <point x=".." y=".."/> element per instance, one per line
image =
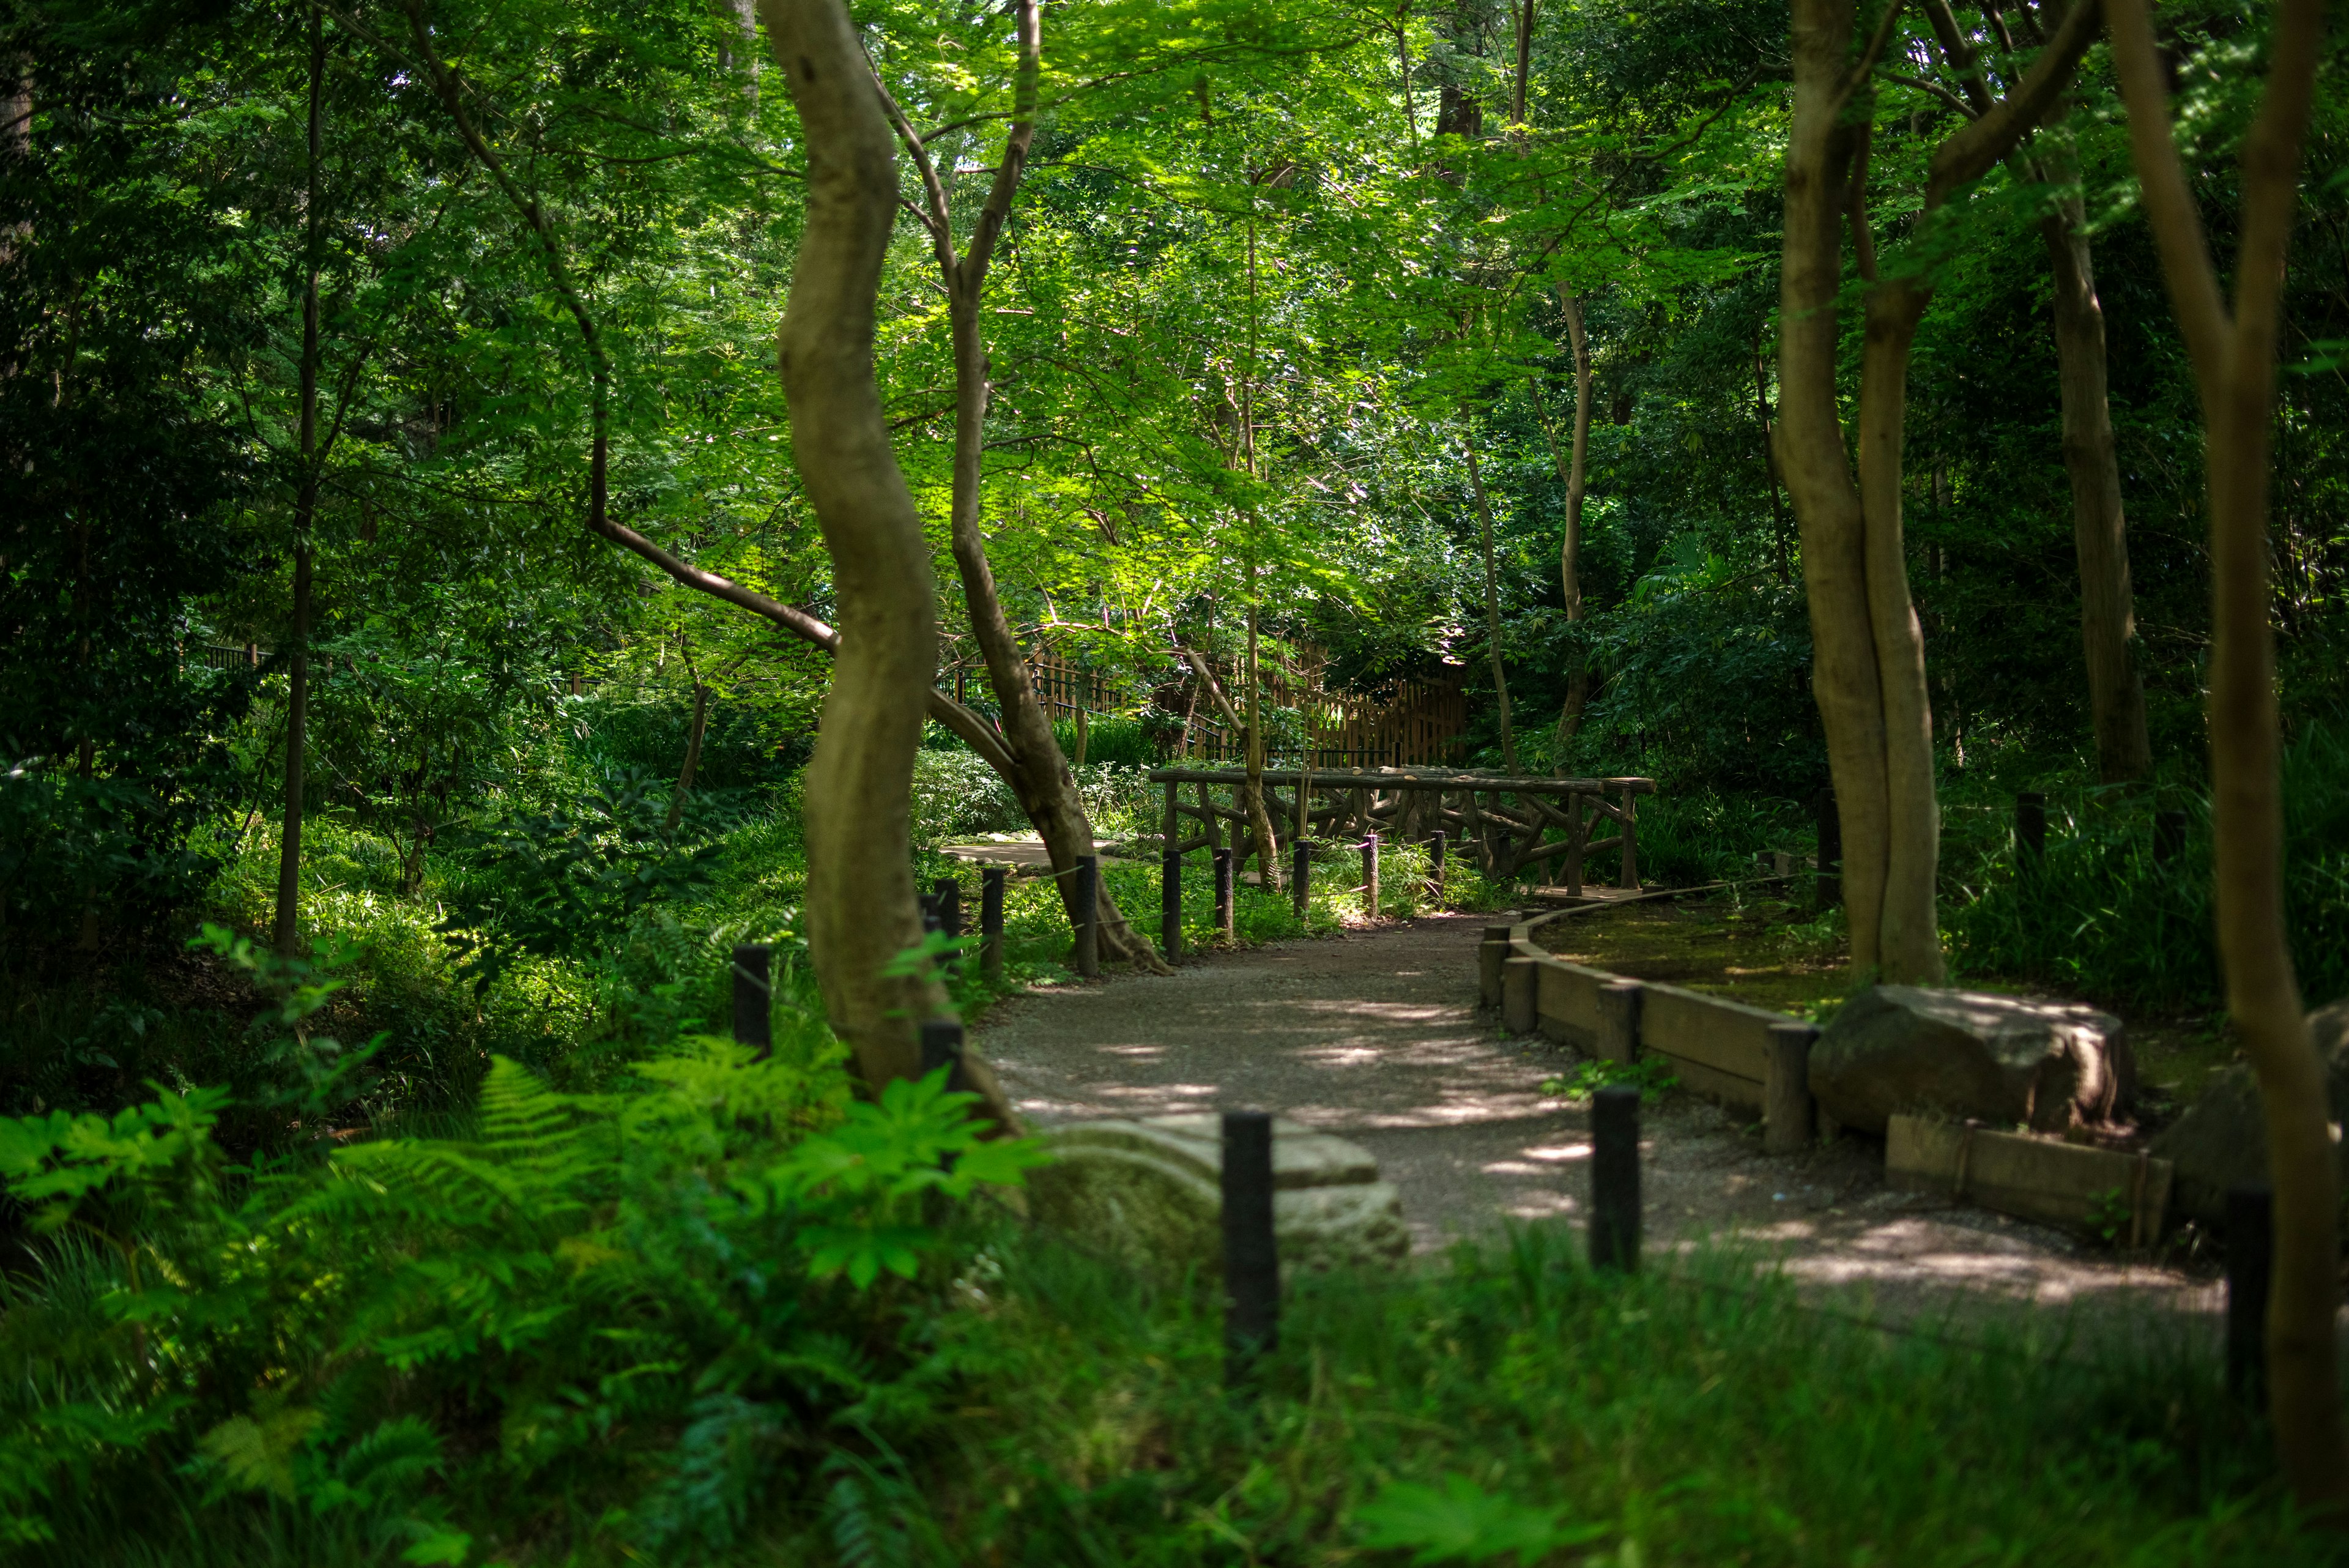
<point x="2071" y="1185"/>
<point x="1721" y="1049"/>
<point x="1752" y="1059"/>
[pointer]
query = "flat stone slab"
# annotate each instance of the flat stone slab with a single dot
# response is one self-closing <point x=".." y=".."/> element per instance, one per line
<point x="1151" y="1191"/>
<point x="1023" y="852"/>
<point x="2009" y="1060"/>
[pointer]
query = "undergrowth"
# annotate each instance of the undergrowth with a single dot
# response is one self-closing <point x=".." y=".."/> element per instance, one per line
<point x="2100" y="915"/>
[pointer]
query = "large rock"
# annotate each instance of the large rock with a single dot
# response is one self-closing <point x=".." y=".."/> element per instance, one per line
<point x="2221" y="1141"/>
<point x="1151" y="1192"/>
<point x="2007" y="1060"/>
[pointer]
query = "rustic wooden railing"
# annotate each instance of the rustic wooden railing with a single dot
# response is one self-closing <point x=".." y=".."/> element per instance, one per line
<point x="1505" y="819"/>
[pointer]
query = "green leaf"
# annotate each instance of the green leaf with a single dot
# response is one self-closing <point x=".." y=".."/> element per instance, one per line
<point x="1462" y="1523"/>
<point x="259" y="1455"/>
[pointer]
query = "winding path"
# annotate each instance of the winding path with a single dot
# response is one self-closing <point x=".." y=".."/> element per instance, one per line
<point x="1375" y="1036"/>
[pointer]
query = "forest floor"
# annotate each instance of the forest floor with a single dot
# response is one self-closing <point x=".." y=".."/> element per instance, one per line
<point x="1374" y="1035"/>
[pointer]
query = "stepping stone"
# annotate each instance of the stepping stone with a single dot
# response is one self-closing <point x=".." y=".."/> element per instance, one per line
<point x="1149" y="1191"/>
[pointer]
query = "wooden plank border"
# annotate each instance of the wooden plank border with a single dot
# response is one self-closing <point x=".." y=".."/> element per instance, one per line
<point x="1717" y="1047"/>
<point x="2057" y="1183"/>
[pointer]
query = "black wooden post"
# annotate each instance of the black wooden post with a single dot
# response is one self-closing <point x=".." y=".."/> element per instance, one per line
<point x="1618" y="1021"/>
<point x="1371" y="874"/>
<point x="1088" y="917"/>
<point x="1787" y="1109"/>
<point x="2030" y="828"/>
<point x="1224" y="891"/>
<point x="1830" y="885"/>
<point x="1301" y="877"/>
<point x="991" y="920"/>
<point x="1435" y="867"/>
<point x="946" y="895"/>
<point x="754" y="996"/>
<point x="942" y="1047"/>
<point x="1251" y="1259"/>
<point x="2168" y="836"/>
<point x="1169" y="903"/>
<point x="1615" y="1178"/>
<point x="2251" y="1259"/>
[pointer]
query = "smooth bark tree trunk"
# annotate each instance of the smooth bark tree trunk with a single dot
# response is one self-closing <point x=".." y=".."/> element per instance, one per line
<point x="287" y="931"/>
<point x="1038" y="771"/>
<point x="1573" y="472"/>
<point x="1868" y="660"/>
<point x="1252" y="792"/>
<point x="2234" y="358"/>
<point x="2099" y="524"/>
<point x="1268" y="845"/>
<point x="1492" y="593"/>
<point x="1770" y="464"/>
<point x="692" y="758"/>
<point x="861" y="909"/>
<point x="819" y="25"/>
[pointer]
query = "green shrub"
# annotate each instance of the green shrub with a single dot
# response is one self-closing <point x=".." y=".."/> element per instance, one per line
<point x="674" y="1300"/>
<point x="2099" y="916"/>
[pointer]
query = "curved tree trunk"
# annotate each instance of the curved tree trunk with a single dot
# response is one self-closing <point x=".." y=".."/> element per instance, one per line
<point x="2234" y="360"/>
<point x="1909" y="938"/>
<point x="1038" y="772"/>
<point x="2099" y="524"/>
<point x="861" y="906"/>
<point x="1868" y="660"/>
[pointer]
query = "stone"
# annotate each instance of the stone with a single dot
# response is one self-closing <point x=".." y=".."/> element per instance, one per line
<point x="1149" y="1192"/>
<point x="2009" y="1061"/>
<point x="2221" y="1141"/>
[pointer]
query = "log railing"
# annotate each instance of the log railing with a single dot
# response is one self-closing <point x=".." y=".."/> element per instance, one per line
<point x="1506" y="819"/>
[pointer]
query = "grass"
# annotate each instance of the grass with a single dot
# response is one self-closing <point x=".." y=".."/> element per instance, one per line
<point x="1069" y="1412"/>
<point x="1707" y="1419"/>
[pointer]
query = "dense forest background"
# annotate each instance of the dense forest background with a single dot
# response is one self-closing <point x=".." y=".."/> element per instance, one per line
<point x="414" y="630"/>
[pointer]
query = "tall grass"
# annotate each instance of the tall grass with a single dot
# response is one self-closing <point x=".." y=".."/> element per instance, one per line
<point x="1704" y="1419"/>
<point x="2101" y="917"/>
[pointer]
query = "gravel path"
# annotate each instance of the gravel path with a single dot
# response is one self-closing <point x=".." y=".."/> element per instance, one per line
<point x="1374" y="1035"/>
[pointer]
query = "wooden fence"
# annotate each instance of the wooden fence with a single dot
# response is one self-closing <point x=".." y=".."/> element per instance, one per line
<point x="1407" y="723"/>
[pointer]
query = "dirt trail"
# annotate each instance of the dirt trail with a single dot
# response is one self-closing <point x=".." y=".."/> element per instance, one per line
<point x="1374" y="1035"/>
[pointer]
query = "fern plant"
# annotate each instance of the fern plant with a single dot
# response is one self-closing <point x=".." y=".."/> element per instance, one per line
<point x="664" y="1294"/>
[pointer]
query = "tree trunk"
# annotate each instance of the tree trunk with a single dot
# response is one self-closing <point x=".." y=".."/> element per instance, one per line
<point x="1492" y="593"/>
<point x="1039" y="773"/>
<point x="1867" y="659"/>
<point x="1908" y="941"/>
<point x="2234" y="360"/>
<point x="1251" y="793"/>
<point x="1574" y="475"/>
<point x="287" y="933"/>
<point x="1770" y="465"/>
<point x="692" y="758"/>
<point x="861" y="909"/>
<point x="2099" y="525"/>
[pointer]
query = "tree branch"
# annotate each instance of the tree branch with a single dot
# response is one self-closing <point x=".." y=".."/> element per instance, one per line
<point x="1968" y="154"/>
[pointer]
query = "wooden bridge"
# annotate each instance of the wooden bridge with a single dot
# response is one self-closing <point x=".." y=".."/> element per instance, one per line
<point x="1504" y="820"/>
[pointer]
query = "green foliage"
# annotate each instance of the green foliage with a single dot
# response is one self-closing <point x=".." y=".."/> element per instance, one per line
<point x="1653" y="1076"/>
<point x="2099" y="916"/>
<point x="667" y="1290"/>
<point x="1463" y="1523"/>
<point x="1701" y="1415"/>
<point x="567" y="883"/>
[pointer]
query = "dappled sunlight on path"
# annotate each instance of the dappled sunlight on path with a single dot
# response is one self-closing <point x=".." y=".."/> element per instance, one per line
<point x="1374" y="1035"/>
